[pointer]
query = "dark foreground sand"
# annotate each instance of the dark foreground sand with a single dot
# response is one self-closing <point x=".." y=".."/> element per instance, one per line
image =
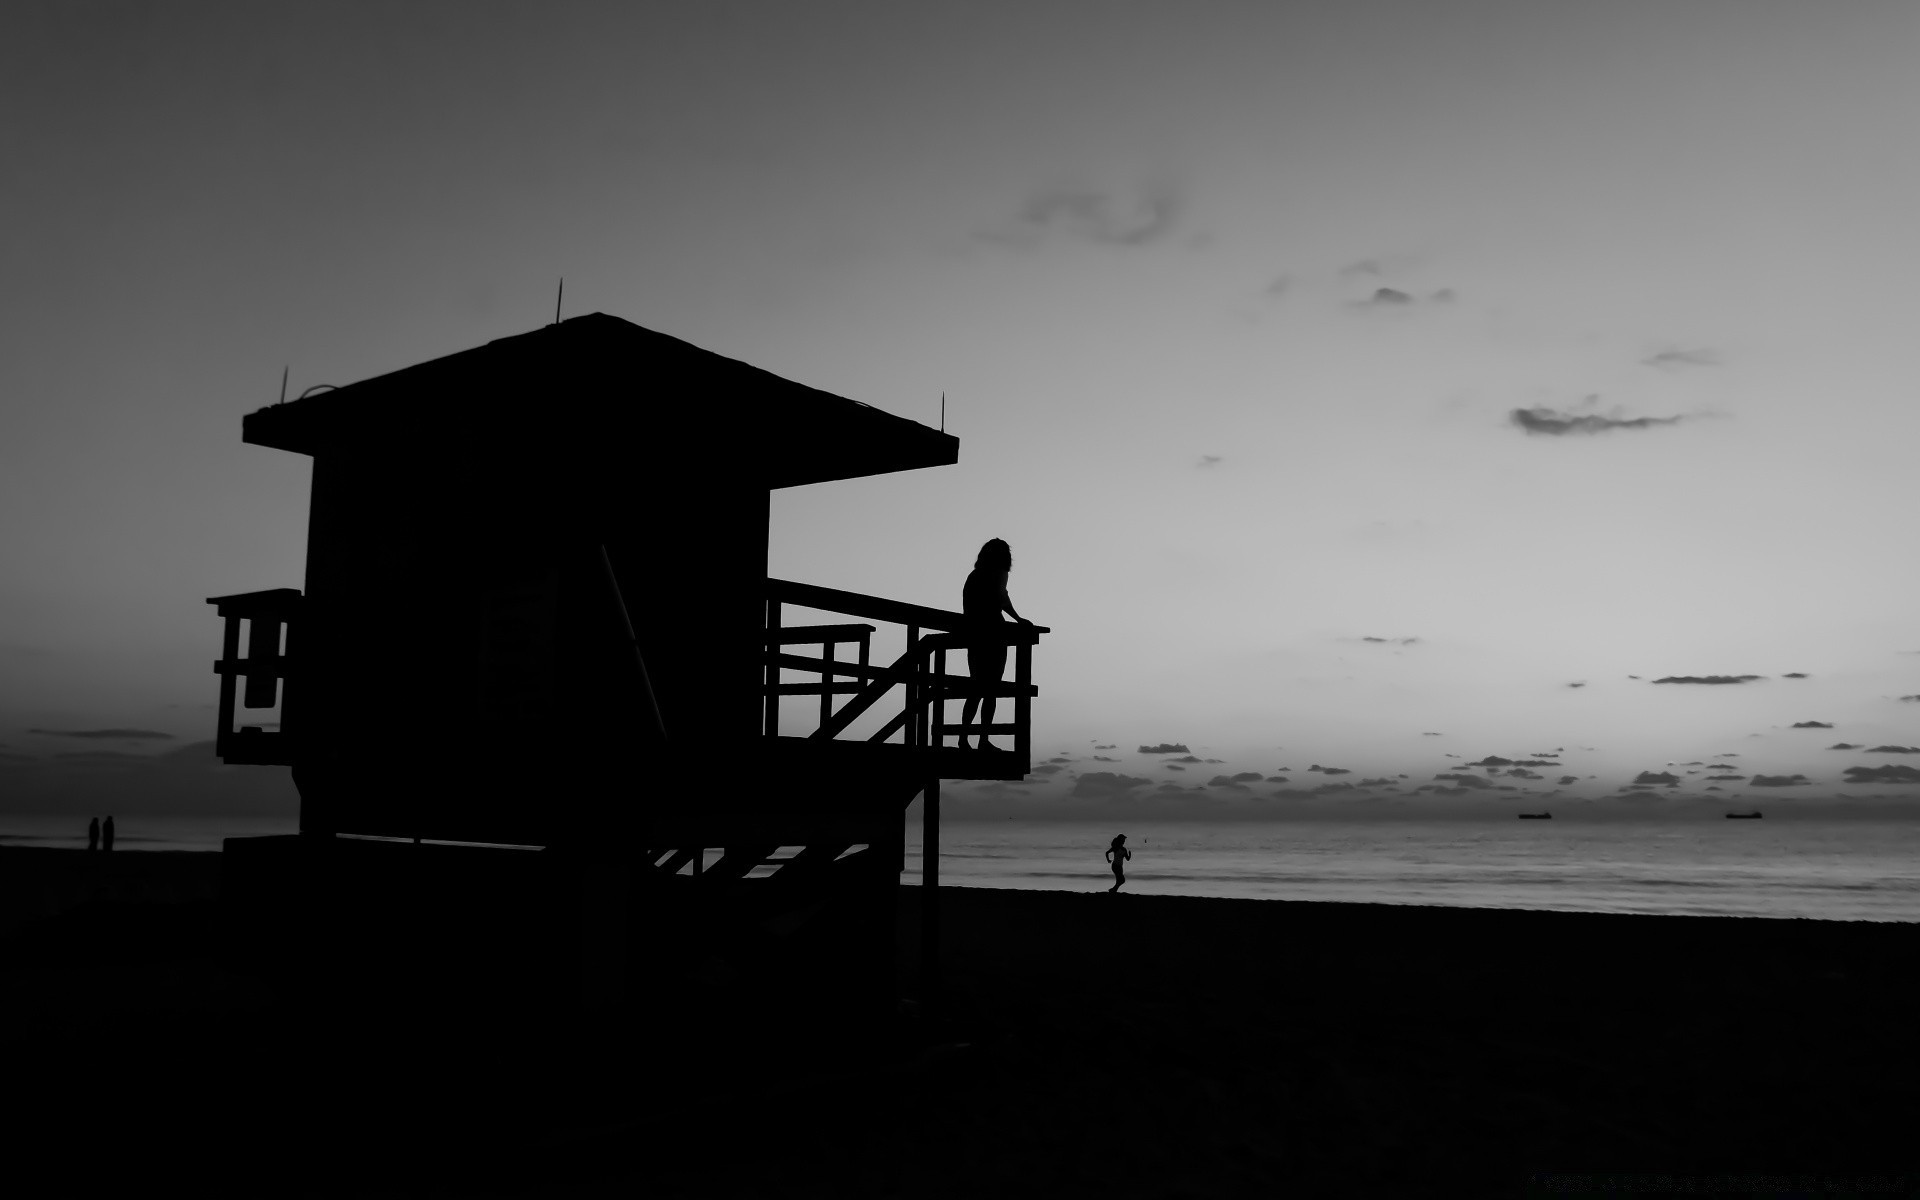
<point x="1089" y="1045"/>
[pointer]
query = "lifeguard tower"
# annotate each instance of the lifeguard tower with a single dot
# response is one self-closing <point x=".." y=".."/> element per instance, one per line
<point x="542" y="701"/>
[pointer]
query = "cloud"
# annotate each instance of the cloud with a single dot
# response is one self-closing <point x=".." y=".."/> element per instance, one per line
<point x="1444" y="296"/>
<point x="1894" y="750"/>
<point x="1329" y="770"/>
<point x="1326" y="789"/>
<point x="1400" y="641"/>
<point x="1649" y="778"/>
<point x="1811" y="725"/>
<point x="1727" y="778"/>
<point x="1683" y="358"/>
<point x="1466" y="781"/>
<point x="1433" y="735"/>
<point x="1492" y="760"/>
<point x="1173" y="766"/>
<point x="1778" y="781"/>
<point x="1794" y="675"/>
<point x="1845" y="746"/>
<point x="1640" y="797"/>
<point x="1280" y="285"/>
<point x="1223" y="781"/>
<point x="1189" y="758"/>
<point x="1564" y="780"/>
<point x="1543" y="420"/>
<point x="1523" y="773"/>
<point x="1104" y="758"/>
<point x="1385" y="297"/>
<point x="1891" y="773"/>
<point x="1709" y="678"/>
<point x="1164" y="748"/>
<point x="1578" y="683"/>
<point x="1209" y="460"/>
<point x="1911" y="699"/>
<point x="125" y="734"/>
<point x="1106" y="785"/>
<point x="1130" y="217"/>
<point x="1048" y="769"/>
<point x="1098" y="746"/>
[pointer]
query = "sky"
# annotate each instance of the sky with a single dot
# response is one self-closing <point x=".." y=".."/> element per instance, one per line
<point x="1342" y="374"/>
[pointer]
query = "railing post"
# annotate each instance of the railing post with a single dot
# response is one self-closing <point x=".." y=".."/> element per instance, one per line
<point x="772" y="651"/>
<point x="916" y="722"/>
<point x="938" y="713"/>
<point x="930" y="893"/>
<point x="826" y="684"/>
<point x="1022" y="705"/>
<point x="229" y="651"/>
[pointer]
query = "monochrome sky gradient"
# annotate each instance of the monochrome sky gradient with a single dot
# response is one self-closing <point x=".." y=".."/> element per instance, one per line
<point x="1339" y="372"/>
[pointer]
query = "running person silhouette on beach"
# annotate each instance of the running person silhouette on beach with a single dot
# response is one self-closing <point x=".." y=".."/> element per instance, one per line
<point x="982" y="601"/>
<point x="1118" y="854"/>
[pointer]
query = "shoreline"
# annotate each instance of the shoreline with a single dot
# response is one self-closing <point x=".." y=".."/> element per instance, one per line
<point x="170" y="876"/>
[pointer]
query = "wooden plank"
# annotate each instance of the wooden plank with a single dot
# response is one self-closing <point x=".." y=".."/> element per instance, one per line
<point x="856" y="605"/>
<point x="814" y="635"/>
<point x="891" y="727"/>
<point x="824" y="666"/>
<point x="736" y="861"/>
<point x="1013" y="635"/>
<point x="680" y="859"/>
<point x="280" y="667"/>
<point x="852" y="709"/>
<point x="953" y="686"/>
<point x="819" y="689"/>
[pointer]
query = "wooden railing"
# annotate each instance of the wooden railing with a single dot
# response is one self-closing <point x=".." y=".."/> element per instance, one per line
<point x="263" y="668"/>
<point x="920" y="672"/>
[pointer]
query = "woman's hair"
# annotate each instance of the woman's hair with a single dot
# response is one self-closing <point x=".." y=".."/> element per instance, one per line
<point x="995" y="555"/>
<point x="1118" y="838"/>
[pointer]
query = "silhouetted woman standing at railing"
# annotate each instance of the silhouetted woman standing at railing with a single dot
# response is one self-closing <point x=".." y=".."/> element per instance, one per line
<point x="982" y="601"/>
<point x="1118" y="854"/>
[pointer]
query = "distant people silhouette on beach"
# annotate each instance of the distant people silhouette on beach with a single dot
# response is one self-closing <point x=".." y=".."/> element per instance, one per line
<point x="93" y="834"/>
<point x="1118" y="854"/>
<point x="106" y="835"/>
<point x="982" y="601"/>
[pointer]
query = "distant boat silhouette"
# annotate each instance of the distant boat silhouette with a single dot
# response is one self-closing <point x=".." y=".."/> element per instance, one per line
<point x="1752" y="816"/>
<point x="1545" y="816"/>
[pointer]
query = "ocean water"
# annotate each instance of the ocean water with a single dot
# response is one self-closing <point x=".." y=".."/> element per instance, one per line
<point x="132" y="832"/>
<point x="1842" y="869"/>
<point x="1847" y="870"/>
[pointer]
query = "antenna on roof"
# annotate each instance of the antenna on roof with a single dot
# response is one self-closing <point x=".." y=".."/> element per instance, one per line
<point x="556" y="299"/>
<point x="943" y="412"/>
<point x="283" y="382"/>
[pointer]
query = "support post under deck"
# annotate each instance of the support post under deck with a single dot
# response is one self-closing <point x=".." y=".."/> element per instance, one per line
<point x="930" y="894"/>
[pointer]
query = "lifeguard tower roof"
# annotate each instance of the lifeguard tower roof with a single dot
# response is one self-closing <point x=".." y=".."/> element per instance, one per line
<point x="593" y="379"/>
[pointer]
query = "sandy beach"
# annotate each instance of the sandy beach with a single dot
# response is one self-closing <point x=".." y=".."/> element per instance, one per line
<point x="1087" y="1044"/>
